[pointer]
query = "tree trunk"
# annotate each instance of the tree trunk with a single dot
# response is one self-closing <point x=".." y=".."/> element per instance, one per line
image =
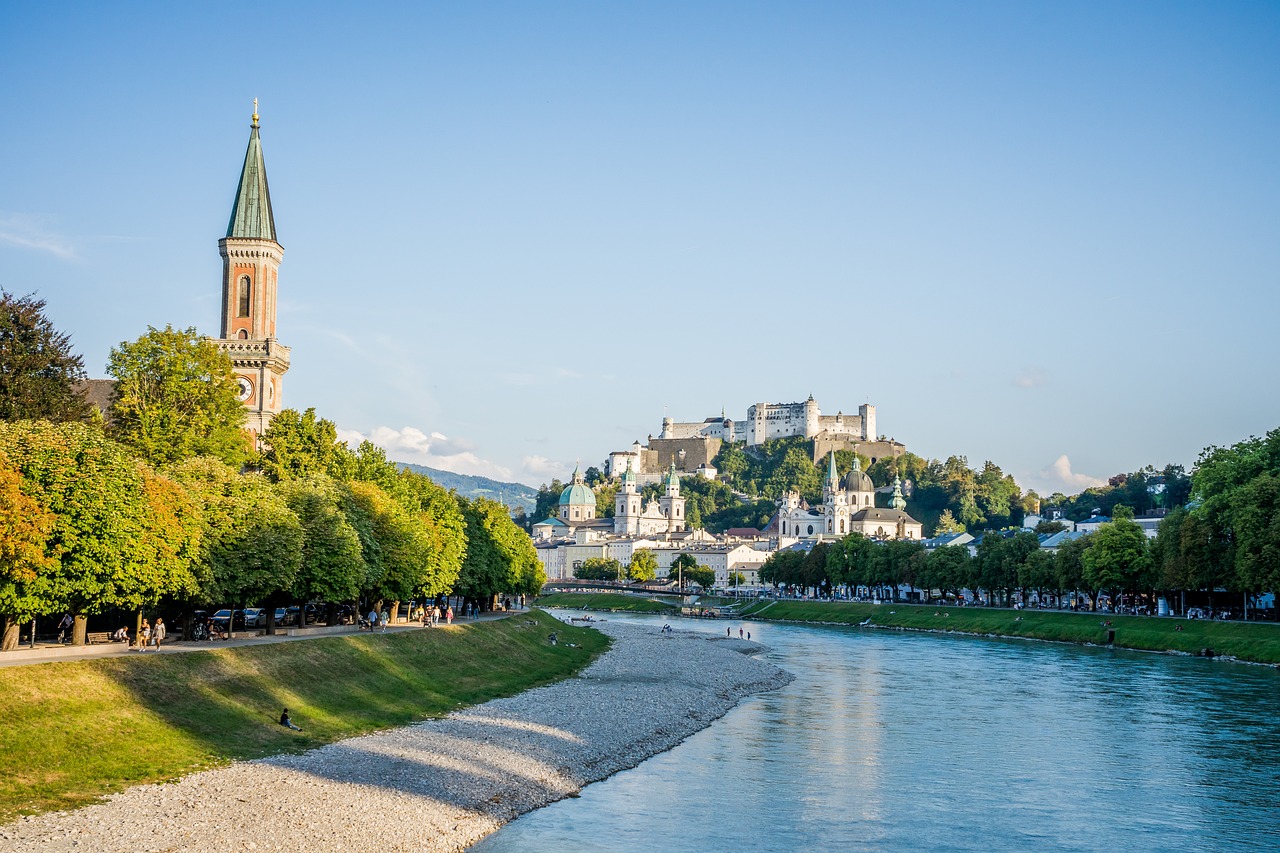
<point x="9" y="640"/>
<point x="394" y="612"/>
<point x="80" y="632"/>
<point x="137" y="629"/>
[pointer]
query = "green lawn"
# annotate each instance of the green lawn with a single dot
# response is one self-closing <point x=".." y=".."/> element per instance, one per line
<point x="610" y="601"/>
<point x="74" y="731"/>
<point x="1252" y="641"/>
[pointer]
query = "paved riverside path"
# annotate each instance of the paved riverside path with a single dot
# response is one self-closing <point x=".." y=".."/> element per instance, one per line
<point x="439" y="785"/>
<point x="50" y="652"/>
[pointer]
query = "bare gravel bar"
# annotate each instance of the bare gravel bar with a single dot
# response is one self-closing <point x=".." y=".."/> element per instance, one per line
<point x="440" y="785"/>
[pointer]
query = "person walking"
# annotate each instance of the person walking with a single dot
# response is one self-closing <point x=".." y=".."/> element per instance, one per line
<point x="158" y="632"/>
<point x="448" y="615"/>
<point x="383" y="619"/>
<point x="373" y="620"/>
<point x="144" y="636"/>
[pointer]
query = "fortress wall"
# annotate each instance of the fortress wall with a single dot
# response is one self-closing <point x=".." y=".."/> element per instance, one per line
<point x="697" y="451"/>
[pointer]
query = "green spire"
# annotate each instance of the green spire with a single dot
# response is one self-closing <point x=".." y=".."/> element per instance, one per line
<point x="898" y="501"/>
<point x="832" y="477"/>
<point x="628" y="476"/>
<point x="251" y="215"/>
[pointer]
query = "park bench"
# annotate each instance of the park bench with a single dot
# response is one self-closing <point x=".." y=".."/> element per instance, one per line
<point x="98" y="637"/>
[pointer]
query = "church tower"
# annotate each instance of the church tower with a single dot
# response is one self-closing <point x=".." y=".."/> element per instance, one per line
<point x="672" y="504"/>
<point x="626" y="505"/>
<point x="250" y="262"/>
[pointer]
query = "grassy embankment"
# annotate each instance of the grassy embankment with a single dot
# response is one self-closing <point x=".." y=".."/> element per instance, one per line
<point x="1252" y="641"/>
<point x="610" y="601"/>
<point x="74" y="731"/>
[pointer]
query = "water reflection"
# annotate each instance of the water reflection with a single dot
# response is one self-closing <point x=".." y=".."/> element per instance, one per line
<point x="896" y="742"/>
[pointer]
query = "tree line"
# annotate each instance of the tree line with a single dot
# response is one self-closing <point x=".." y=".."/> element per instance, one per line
<point x="166" y="500"/>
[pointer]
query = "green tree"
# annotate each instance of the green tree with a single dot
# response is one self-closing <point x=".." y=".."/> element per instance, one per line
<point x="1117" y="557"/>
<point x="397" y="552"/>
<point x="643" y="566"/>
<point x="251" y="543"/>
<point x="441" y="517"/>
<point x="598" y="569"/>
<point x="547" y="502"/>
<point x="333" y="568"/>
<point x="500" y="557"/>
<point x="947" y="524"/>
<point x="948" y="569"/>
<point x="176" y="398"/>
<point x="680" y="567"/>
<point x="25" y="526"/>
<point x="299" y="444"/>
<point x="1255" y="526"/>
<point x="104" y="531"/>
<point x="38" y="370"/>
<point x="701" y="576"/>
<point x="1068" y="565"/>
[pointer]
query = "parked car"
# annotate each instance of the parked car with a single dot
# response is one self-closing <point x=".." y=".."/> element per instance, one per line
<point x="255" y="617"/>
<point x="223" y="617"/>
<point x="283" y="617"/>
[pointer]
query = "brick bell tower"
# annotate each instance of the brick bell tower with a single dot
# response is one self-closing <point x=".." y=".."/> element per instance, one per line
<point x="250" y="262"/>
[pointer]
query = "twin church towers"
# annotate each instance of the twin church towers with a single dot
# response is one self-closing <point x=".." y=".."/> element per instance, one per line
<point x="250" y="264"/>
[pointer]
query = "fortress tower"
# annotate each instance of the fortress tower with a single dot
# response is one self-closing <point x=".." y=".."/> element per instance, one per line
<point x="250" y="263"/>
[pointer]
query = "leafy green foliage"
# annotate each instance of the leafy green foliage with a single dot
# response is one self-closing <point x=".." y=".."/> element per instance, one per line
<point x="598" y="569"/>
<point x="333" y="566"/>
<point x="500" y="557"/>
<point x="299" y="444"/>
<point x="38" y="370"/>
<point x="109" y="528"/>
<point x="176" y="397"/>
<point x="252" y="541"/>
<point x="643" y="565"/>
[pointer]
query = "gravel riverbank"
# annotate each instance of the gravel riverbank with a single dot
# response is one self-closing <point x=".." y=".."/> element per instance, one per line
<point x="442" y="784"/>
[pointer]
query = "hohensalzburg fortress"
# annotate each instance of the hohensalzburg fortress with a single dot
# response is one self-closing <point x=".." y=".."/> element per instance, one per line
<point x="766" y="421"/>
<point x="691" y="446"/>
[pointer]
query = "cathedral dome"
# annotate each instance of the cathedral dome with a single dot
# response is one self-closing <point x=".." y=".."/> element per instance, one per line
<point x="578" y="494"/>
<point x="858" y="481"/>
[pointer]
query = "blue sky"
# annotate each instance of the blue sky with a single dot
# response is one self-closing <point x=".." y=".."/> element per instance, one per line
<point x="515" y="234"/>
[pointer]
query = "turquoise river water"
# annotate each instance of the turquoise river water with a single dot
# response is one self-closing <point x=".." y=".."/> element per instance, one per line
<point x="890" y="741"/>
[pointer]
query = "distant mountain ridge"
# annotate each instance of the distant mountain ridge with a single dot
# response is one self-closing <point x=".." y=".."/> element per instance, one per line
<point x="472" y="486"/>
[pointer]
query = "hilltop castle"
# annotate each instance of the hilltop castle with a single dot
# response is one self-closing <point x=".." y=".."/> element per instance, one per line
<point x="692" y="445"/>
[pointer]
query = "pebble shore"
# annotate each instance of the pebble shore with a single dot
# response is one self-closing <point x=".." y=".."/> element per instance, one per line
<point x="440" y="785"/>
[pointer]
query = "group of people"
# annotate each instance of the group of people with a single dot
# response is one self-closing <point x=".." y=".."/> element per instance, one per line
<point x="431" y="616"/>
<point x="149" y="635"/>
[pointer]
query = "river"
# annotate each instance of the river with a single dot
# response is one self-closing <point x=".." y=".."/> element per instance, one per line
<point x="890" y="741"/>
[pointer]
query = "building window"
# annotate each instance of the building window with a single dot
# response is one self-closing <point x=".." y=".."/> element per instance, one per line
<point x="842" y="525"/>
<point x="810" y="529"/>
<point x="244" y="335"/>
<point x="244" y="296"/>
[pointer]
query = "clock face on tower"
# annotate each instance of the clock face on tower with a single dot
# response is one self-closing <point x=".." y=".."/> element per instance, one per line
<point x="246" y="388"/>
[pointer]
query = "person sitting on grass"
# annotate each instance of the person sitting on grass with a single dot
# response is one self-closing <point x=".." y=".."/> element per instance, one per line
<point x="286" y="722"/>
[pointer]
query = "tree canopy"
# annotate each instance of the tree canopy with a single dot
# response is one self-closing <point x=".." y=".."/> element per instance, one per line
<point x="38" y="370"/>
<point x="176" y="397"/>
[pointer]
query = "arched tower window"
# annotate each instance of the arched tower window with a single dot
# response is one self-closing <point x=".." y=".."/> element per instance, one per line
<point x="244" y="335"/>
<point x="244" y="297"/>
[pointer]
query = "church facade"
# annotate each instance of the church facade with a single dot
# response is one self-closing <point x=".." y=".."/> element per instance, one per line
<point x="847" y="507"/>
<point x="251" y="257"/>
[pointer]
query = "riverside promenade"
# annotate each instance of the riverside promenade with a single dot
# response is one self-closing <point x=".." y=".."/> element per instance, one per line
<point x="50" y="652"/>
<point x="441" y="784"/>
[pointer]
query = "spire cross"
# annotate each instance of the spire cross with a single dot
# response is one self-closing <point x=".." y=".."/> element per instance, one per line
<point x="255" y="112"/>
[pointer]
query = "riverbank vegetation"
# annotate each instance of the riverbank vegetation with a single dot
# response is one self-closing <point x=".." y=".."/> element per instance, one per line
<point x="166" y="505"/>
<point x="1249" y="641"/>
<point x="74" y="731"/>
<point x="610" y="601"/>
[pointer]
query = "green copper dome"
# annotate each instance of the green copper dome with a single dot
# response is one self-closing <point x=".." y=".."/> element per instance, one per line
<point x="578" y="494"/>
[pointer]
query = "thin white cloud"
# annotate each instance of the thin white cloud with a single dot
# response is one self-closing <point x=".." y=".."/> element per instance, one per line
<point x="541" y="466"/>
<point x="26" y="232"/>
<point x="1031" y="378"/>
<point x="1062" y="479"/>
<point x="434" y="449"/>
